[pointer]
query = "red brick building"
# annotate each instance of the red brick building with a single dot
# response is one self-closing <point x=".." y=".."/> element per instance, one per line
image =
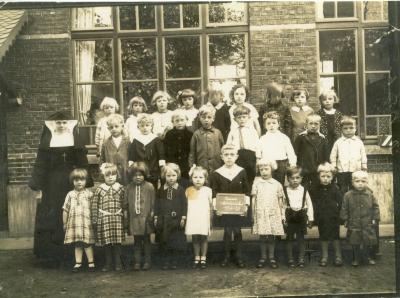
<point x="67" y="57"/>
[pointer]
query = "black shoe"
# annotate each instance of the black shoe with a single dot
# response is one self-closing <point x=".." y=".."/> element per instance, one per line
<point x="91" y="268"/>
<point x="240" y="263"/>
<point x="77" y="268"/>
<point x="301" y="263"/>
<point x="261" y="263"/>
<point x="203" y="264"/>
<point x="136" y="267"/>
<point x="195" y="264"/>
<point x="273" y="264"/>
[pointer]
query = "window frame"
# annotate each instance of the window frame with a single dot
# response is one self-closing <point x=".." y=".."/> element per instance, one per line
<point x="319" y="5"/>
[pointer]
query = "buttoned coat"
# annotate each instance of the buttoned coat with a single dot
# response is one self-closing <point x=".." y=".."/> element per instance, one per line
<point x="118" y="156"/>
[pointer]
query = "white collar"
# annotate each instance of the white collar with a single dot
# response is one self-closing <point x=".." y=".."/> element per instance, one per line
<point x="300" y="187"/>
<point x="175" y="186"/>
<point x="331" y="112"/>
<point x="351" y="138"/>
<point x="145" y="139"/>
<point x="64" y="139"/>
<point x="306" y="132"/>
<point x="229" y="173"/>
<point x="219" y="105"/>
<point x="304" y="108"/>
<point x="116" y="186"/>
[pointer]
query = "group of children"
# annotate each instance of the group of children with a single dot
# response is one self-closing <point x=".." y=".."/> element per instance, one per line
<point x="163" y="173"/>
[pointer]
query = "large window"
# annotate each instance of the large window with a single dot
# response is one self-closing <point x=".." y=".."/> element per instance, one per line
<point x="354" y="61"/>
<point x="130" y="50"/>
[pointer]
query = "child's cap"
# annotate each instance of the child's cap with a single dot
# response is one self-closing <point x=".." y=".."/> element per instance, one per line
<point x="234" y="88"/>
<point x="267" y="163"/>
<point x="360" y="175"/>
<point x="242" y="110"/>
<point x="109" y="101"/>
<point x="115" y="119"/>
<point x="158" y="95"/>
<point x="274" y="90"/>
<point x="139" y="100"/>
<point x="326" y="93"/>
<point x="326" y="167"/>
<point x="145" y="119"/>
<point x="184" y="94"/>
<point x="299" y="91"/>
<point x="347" y="120"/>
<point x="291" y="171"/>
<point x="170" y="167"/>
<point x="207" y="110"/>
<point x="138" y="167"/>
<point x="108" y="169"/>
<point x="78" y="174"/>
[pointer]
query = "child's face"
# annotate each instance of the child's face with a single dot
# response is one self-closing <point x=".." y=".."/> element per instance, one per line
<point x="79" y="183"/>
<point x="239" y="96"/>
<point x="171" y="177"/>
<point x="325" y="178"/>
<point x="198" y="179"/>
<point x="115" y="129"/>
<point x="162" y="104"/>
<point x="179" y="122"/>
<point x="137" y="108"/>
<point x="108" y="110"/>
<point x="313" y="125"/>
<point x="360" y="183"/>
<point x="328" y="102"/>
<point x="216" y="98"/>
<point x="242" y="120"/>
<point x="61" y="126"/>
<point x="229" y="157"/>
<point x="348" y="131"/>
<point x="145" y="127"/>
<point x="265" y="172"/>
<point x="295" y="180"/>
<point x="206" y="120"/>
<point x="272" y="125"/>
<point x="187" y="102"/>
<point x="138" y="178"/>
<point x="300" y="99"/>
<point x="110" y="179"/>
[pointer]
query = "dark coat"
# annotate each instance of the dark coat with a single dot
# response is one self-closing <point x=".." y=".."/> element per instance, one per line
<point x="118" y="156"/>
<point x="359" y="208"/>
<point x="324" y="126"/>
<point x="285" y="123"/>
<point x="177" y="148"/>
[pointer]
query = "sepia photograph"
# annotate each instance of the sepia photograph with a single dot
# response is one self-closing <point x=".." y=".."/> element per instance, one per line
<point x="199" y="148"/>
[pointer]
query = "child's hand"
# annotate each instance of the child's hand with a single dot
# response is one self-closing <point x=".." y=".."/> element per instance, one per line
<point x="310" y="224"/>
<point x="155" y="221"/>
<point x="183" y="221"/>
<point x="374" y="222"/>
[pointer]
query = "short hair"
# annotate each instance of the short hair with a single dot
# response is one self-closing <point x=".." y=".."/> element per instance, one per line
<point x="207" y="109"/>
<point x="170" y="167"/>
<point x="237" y="86"/>
<point x="78" y="174"/>
<point x="144" y="119"/>
<point x="108" y="169"/>
<point x="267" y="163"/>
<point x="109" y="101"/>
<point x="229" y="147"/>
<point x="324" y="95"/>
<point x="326" y="167"/>
<point x="213" y="92"/>
<point x="199" y="169"/>
<point x="184" y="94"/>
<point x="298" y="91"/>
<point x="347" y="120"/>
<point x="115" y="118"/>
<point x="158" y="95"/>
<point x="242" y="110"/>
<point x="272" y="115"/>
<point x="359" y="175"/>
<point x="137" y="99"/>
<point x="138" y="167"/>
<point x="274" y="90"/>
<point x="313" y="116"/>
<point x="178" y="113"/>
<point x="290" y="171"/>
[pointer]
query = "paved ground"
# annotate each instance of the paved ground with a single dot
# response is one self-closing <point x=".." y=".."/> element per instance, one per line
<point x="22" y="276"/>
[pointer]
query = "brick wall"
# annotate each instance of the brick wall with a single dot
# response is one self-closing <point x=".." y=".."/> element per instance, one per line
<point x="40" y="63"/>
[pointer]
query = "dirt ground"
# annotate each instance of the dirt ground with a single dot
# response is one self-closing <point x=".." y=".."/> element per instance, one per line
<point x="22" y="276"/>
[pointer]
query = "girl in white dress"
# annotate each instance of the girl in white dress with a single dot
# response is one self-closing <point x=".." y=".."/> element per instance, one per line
<point x="268" y="210"/>
<point x="136" y="106"/>
<point x="198" y="215"/>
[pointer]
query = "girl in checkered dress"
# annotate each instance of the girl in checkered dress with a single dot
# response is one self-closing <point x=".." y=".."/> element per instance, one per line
<point x="107" y="216"/>
<point x="76" y="219"/>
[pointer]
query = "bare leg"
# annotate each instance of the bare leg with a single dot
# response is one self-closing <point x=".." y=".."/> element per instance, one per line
<point x="204" y="247"/>
<point x="78" y="256"/>
<point x="89" y="255"/>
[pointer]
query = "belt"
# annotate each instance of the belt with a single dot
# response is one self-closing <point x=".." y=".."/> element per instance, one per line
<point x="119" y="212"/>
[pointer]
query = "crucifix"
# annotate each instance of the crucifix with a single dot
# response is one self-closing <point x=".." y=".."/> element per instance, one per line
<point x="64" y="155"/>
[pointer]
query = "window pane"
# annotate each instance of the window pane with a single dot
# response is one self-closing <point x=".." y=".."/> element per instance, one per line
<point x="379" y="125"/>
<point x="147" y="19"/>
<point x="329" y="9"/>
<point x="88" y="101"/>
<point x="190" y="15"/>
<point x="138" y="56"/>
<point x="372" y="10"/>
<point x="227" y="56"/>
<point x="337" y="51"/>
<point x="230" y="13"/>
<point x="93" y="60"/>
<point x="171" y="16"/>
<point x="377" y="93"/>
<point x="346" y="89"/>
<point x="376" y="54"/>
<point x="226" y="86"/>
<point x="127" y="18"/>
<point x="345" y="9"/>
<point x="174" y="86"/>
<point x="182" y="57"/>
<point x="92" y="17"/>
<point x="143" y="89"/>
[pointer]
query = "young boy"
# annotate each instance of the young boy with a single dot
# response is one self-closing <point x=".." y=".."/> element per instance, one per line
<point x="348" y="154"/>
<point x="360" y="212"/>
<point x="275" y="145"/>
<point x="230" y="178"/>
<point x="245" y="138"/>
<point x="206" y="142"/>
<point x="311" y="150"/>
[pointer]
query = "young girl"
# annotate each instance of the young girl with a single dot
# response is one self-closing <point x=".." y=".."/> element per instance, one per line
<point x="299" y="112"/>
<point x="177" y="144"/>
<point x="330" y="117"/>
<point x="136" y="106"/>
<point x="162" y="116"/>
<point x="107" y="216"/>
<point x="274" y="96"/>
<point x="139" y="204"/>
<point x="77" y="220"/>
<point x="327" y="202"/>
<point x="186" y="100"/>
<point x="298" y="215"/>
<point x="198" y="215"/>
<point x="239" y="94"/>
<point x="268" y="211"/>
<point x="230" y="178"/>
<point x="108" y="106"/>
<point x="170" y="216"/>
<point x="147" y="147"/>
<point x="115" y="148"/>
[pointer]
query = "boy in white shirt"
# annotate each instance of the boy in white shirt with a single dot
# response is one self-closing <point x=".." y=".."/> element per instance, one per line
<point x="348" y="154"/>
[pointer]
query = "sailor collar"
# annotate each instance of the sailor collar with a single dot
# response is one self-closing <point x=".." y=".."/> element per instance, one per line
<point x="229" y="173"/>
<point x="145" y="139"/>
<point x="306" y="133"/>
